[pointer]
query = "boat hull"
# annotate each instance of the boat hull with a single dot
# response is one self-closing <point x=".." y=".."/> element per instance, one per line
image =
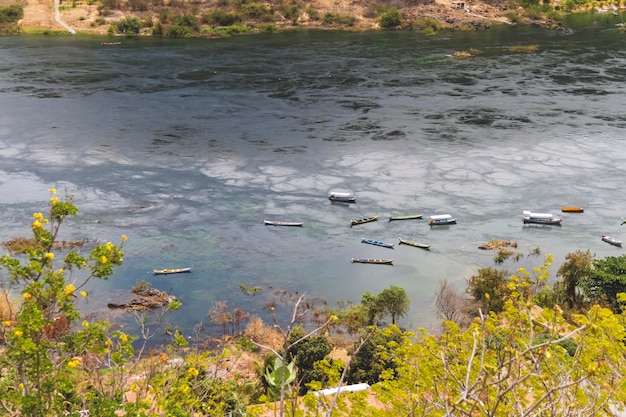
<point x="373" y="261"/>
<point x="611" y="240"/>
<point x="377" y="243"/>
<point x="278" y="223"/>
<point x="407" y="217"/>
<point x="414" y="244"/>
<point x="168" y="271"/>
<point x="362" y="221"/>
<point x="551" y="222"/>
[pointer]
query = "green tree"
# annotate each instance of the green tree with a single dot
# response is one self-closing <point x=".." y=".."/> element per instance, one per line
<point x="606" y="280"/>
<point x="45" y="355"/>
<point x="488" y="288"/>
<point x="575" y="269"/>
<point x="525" y="361"/>
<point x="374" y="357"/>
<point x="306" y="354"/>
<point x="395" y="302"/>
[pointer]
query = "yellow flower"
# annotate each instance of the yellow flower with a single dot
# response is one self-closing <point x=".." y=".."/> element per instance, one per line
<point x="38" y="216"/>
<point x="124" y="337"/>
<point x="183" y="389"/>
<point x="106" y="350"/>
<point x="192" y="372"/>
<point x="27" y="296"/>
<point x="103" y="260"/>
<point x="109" y="245"/>
<point x="108" y="343"/>
<point x="18" y="333"/>
<point x="83" y="294"/>
<point x="85" y="323"/>
<point x="44" y="221"/>
<point x="36" y="224"/>
<point x="6" y="323"/>
<point x="49" y="255"/>
<point x="124" y="238"/>
<point x="73" y="363"/>
<point x="52" y="190"/>
<point x="69" y="289"/>
<point x="61" y="270"/>
<point x="54" y="200"/>
<point x="21" y="386"/>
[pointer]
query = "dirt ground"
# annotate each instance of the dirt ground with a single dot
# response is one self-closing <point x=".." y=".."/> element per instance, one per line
<point x="39" y="14"/>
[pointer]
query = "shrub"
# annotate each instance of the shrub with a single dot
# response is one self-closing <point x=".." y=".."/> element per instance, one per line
<point x="220" y="18"/>
<point x="390" y="19"/>
<point x="11" y="14"/>
<point x="257" y="11"/>
<point x="130" y="25"/>
<point x="314" y="14"/>
<point x="339" y="19"/>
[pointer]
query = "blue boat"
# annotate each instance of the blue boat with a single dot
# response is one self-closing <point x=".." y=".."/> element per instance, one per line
<point x="377" y="243"/>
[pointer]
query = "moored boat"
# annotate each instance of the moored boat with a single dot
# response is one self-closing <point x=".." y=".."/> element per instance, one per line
<point x="441" y="219"/>
<point x="415" y="244"/>
<point x="540" y="218"/>
<point x="377" y="243"/>
<point x="406" y="217"/>
<point x="373" y="261"/>
<point x="573" y="210"/>
<point x="341" y="197"/>
<point x="110" y="43"/>
<point x="167" y="271"/>
<point x="613" y="241"/>
<point x="279" y="223"/>
<point x="365" y="220"/>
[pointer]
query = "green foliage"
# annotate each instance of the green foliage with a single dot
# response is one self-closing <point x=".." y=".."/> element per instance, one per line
<point x="277" y="376"/>
<point x="394" y="302"/>
<point x="516" y="363"/>
<point x="314" y="14"/>
<point x="187" y="21"/>
<point x="571" y="273"/>
<point x="129" y="25"/>
<point x="257" y="11"/>
<point x="338" y="19"/>
<point x="45" y="354"/>
<point x="221" y="17"/>
<point x="605" y="281"/>
<point x="11" y="14"/>
<point x="305" y="354"/>
<point x="390" y="19"/>
<point x="374" y="360"/>
<point x="488" y="288"/>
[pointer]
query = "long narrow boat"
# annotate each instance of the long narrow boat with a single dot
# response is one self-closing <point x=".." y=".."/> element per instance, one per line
<point x="572" y="210"/>
<point x="365" y="220"/>
<point x="613" y="241"/>
<point x="417" y="245"/>
<point x="407" y="217"/>
<point x="373" y="261"/>
<point x="170" y="271"/>
<point x="377" y="243"/>
<point x="278" y="223"/>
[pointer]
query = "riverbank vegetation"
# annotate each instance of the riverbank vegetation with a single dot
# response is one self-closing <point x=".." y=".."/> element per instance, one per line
<point x="510" y="345"/>
<point x="220" y="18"/>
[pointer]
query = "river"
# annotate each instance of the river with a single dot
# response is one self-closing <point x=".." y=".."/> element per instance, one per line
<point x="186" y="146"/>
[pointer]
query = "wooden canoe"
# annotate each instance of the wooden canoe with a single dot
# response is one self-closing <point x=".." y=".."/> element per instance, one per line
<point x="365" y="220"/>
<point x="170" y="271"/>
<point x="407" y="217"/>
<point x="278" y="223"/>
<point x="417" y="245"/>
<point x="373" y="261"/>
<point x="572" y="210"/>
<point x="377" y="243"/>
